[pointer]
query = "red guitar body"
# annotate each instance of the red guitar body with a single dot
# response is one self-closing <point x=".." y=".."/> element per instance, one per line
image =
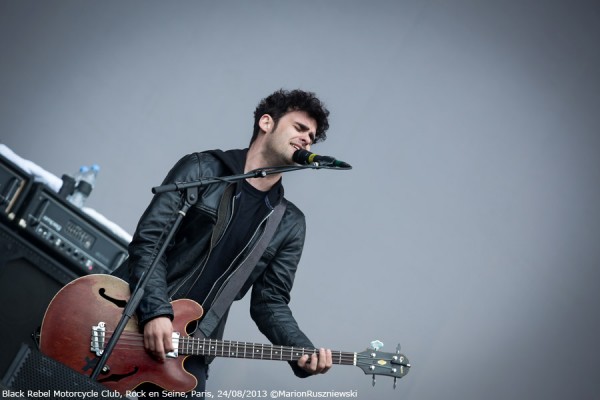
<point x="67" y="330"/>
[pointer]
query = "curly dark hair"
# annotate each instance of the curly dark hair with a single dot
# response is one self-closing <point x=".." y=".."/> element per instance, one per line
<point x="284" y="101"/>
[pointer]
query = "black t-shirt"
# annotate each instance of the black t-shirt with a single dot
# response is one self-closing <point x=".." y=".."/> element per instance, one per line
<point x="251" y="206"/>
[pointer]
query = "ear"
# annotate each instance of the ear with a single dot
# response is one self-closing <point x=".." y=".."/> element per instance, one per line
<point x="265" y="123"/>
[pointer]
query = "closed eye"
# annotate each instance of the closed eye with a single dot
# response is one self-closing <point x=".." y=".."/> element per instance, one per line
<point x="300" y="127"/>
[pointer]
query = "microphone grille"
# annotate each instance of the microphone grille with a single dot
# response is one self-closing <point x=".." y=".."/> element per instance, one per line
<point x="301" y="156"/>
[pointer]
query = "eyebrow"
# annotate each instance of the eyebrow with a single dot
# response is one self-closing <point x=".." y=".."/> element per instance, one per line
<point x="306" y="128"/>
<point x="302" y="126"/>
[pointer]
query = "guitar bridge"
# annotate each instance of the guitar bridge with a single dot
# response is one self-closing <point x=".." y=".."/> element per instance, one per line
<point x="98" y="338"/>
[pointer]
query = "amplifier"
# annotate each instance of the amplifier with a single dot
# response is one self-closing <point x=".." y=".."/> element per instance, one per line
<point x="14" y="183"/>
<point x="68" y="231"/>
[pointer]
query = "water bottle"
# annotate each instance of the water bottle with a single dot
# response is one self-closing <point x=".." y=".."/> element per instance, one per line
<point x="85" y="181"/>
<point x="75" y="197"/>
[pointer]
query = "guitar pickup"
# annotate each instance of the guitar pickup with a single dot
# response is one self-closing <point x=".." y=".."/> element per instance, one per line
<point x="174" y="353"/>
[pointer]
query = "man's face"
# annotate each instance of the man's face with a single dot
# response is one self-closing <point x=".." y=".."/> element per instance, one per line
<point x="295" y="130"/>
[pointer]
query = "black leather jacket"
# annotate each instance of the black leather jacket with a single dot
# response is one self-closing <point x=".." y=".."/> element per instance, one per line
<point x="272" y="278"/>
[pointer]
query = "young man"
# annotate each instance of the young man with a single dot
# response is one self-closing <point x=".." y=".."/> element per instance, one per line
<point x="205" y="253"/>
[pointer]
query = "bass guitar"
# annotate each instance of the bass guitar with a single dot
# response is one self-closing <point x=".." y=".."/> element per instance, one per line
<point x="78" y="322"/>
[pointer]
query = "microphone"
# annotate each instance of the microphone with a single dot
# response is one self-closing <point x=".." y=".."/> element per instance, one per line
<point x="305" y="157"/>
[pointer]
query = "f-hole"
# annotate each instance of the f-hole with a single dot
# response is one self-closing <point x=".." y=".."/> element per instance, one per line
<point x="119" y="303"/>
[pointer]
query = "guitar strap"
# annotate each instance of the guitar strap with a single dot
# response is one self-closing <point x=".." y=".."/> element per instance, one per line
<point x="223" y="301"/>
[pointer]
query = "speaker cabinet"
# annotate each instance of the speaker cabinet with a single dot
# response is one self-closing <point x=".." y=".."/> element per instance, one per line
<point x="32" y="374"/>
<point x="29" y="279"/>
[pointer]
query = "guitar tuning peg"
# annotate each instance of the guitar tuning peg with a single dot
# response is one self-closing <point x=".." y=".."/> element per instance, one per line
<point x="376" y="345"/>
<point x="395" y="379"/>
<point x="398" y="349"/>
<point x="373" y="380"/>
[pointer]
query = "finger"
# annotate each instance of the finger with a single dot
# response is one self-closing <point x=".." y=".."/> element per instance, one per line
<point x="167" y="342"/>
<point x="157" y="348"/>
<point x="146" y="341"/>
<point x="314" y="362"/>
<point x="150" y="342"/>
<point x="153" y="342"/>
<point x="328" y="361"/>
<point x="302" y="361"/>
<point x="154" y="349"/>
<point x="322" y="360"/>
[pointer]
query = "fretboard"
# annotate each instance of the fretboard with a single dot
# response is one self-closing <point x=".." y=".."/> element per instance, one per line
<point x="234" y="349"/>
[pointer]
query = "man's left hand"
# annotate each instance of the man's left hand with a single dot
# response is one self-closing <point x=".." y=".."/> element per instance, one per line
<point x="316" y="365"/>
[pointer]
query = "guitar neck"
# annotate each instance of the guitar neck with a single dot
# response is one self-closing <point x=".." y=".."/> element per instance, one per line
<point x="234" y="349"/>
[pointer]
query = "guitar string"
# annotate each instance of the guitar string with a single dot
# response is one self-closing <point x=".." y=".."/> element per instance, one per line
<point x="130" y="340"/>
<point x="135" y="340"/>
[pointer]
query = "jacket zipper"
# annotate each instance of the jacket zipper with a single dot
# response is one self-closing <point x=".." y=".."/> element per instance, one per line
<point x="202" y="264"/>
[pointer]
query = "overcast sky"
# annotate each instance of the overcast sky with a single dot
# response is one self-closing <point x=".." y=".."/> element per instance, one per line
<point x="468" y="228"/>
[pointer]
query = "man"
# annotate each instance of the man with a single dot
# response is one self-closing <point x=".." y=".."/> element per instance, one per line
<point x="203" y="254"/>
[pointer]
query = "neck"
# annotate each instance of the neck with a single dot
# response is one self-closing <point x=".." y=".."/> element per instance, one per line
<point x="234" y="349"/>
<point x="254" y="160"/>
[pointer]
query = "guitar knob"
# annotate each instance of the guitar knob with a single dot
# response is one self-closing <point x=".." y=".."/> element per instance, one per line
<point x="376" y="345"/>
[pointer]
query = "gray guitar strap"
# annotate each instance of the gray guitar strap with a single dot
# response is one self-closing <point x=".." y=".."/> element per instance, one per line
<point x="223" y="301"/>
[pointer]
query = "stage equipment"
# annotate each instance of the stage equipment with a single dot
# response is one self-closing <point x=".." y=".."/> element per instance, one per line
<point x="32" y="373"/>
<point x="69" y="232"/>
<point x="14" y="184"/>
<point x="29" y="278"/>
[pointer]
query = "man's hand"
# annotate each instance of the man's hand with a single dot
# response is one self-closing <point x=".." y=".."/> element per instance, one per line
<point x="158" y="337"/>
<point x="317" y="365"/>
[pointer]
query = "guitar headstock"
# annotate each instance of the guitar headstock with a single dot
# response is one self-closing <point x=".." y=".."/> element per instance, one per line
<point x="375" y="362"/>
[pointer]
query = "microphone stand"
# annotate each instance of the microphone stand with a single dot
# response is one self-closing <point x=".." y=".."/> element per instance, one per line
<point x="191" y="197"/>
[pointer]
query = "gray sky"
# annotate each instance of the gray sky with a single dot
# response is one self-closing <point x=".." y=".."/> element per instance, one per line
<point x="468" y="228"/>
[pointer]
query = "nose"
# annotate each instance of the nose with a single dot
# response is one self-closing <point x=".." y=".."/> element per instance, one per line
<point x="306" y="141"/>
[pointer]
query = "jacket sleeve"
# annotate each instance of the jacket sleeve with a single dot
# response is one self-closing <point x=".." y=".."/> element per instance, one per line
<point x="271" y="295"/>
<point x="150" y="234"/>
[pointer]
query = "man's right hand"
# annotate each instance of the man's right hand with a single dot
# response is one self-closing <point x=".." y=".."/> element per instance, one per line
<point x="158" y="337"/>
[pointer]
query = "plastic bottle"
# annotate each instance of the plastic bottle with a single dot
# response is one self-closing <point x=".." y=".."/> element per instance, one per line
<point x="85" y="182"/>
<point x="76" y="198"/>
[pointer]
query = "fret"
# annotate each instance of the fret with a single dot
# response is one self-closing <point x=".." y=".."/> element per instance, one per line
<point x="234" y="353"/>
<point x="237" y="349"/>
